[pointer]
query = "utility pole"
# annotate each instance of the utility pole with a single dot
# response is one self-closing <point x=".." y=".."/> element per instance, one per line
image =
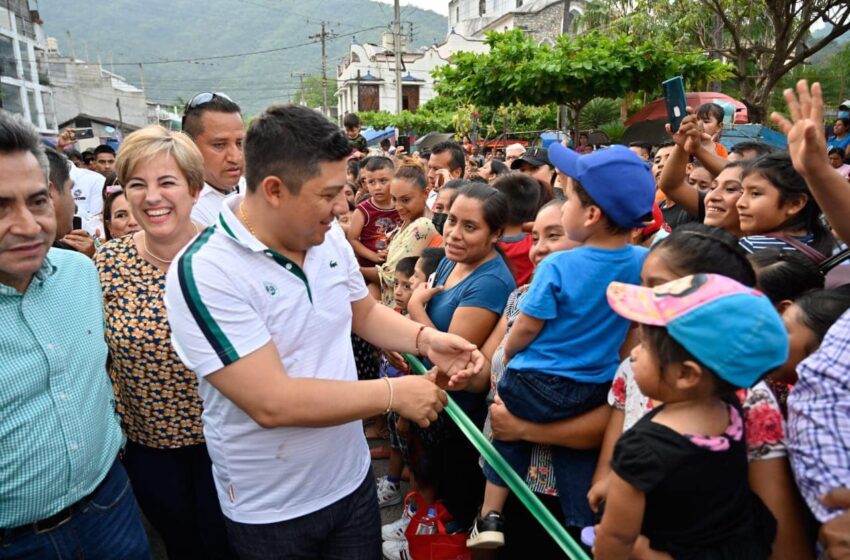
<point x="323" y="36"/>
<point x="397" y="49"/>
<point x="300" y="76"/>
<point x="120" y="116"/>
<point x="142" y="75"/>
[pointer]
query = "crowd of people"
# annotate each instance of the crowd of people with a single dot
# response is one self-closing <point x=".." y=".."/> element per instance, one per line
<point x="203" y="328"/>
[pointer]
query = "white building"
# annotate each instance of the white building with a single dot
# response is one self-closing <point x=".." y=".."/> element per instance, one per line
<point x="24" y="79"/>
<point x="366" y="77"/>
<point x="542" y="19"/>
<point x="87" y="88"/>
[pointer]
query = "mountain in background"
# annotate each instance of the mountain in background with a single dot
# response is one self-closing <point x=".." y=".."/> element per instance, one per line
<point x="123" y="33"/>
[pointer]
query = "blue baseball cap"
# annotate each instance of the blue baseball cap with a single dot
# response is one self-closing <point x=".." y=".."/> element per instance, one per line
<point x="729" y="328"/>
<point x="616" y="178"/>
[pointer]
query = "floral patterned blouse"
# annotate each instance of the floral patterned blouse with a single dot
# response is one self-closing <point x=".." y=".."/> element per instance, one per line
<point x="157" y="397"/>
<point x="763" y="420"/>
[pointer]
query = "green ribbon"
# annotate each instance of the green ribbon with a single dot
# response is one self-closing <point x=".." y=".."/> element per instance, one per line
<point x="515" y="483"/>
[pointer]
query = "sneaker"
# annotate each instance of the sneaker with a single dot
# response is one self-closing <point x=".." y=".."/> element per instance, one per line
<point x="395" y="531"/>
<point x="487" y="532"/>
<point x="396" y="550"/>
<point x="389" y="493"/>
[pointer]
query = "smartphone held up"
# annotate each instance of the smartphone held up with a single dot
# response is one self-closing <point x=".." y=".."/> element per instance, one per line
<point x="676" y="102"/>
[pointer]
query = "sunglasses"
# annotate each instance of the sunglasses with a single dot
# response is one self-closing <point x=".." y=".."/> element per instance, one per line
<point x="204" y="98"/>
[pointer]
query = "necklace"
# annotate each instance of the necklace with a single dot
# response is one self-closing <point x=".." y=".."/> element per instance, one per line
<point x="160" y="259"/>
<point x="245" y="218"/>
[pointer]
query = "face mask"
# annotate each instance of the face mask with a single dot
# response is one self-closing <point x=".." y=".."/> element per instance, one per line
<point x="439" y="220"/>
<point x="844" y="114"/>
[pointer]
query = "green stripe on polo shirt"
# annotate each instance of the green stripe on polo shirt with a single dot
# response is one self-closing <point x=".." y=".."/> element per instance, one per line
<point x="291" y="267"/>
<point x="226" y="227"/>
<point x="212" y="332"/>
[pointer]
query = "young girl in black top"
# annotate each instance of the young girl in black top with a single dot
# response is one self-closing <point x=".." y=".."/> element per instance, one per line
<point x="680" y="474"/>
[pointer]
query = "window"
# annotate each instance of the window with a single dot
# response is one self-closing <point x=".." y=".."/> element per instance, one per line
<point x="33" y="107"/>
<point x="7" y="57"/>
<point x="482" y="7"/>
<point x="519" y="3"/>
<point x="368" y="97"/>
<point x="410" y="98"/>
<point x="355" y="57"/>
<point x="10" y="98"/>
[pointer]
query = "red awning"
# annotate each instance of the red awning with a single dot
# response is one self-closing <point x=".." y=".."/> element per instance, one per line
<point x="657" y="111"/>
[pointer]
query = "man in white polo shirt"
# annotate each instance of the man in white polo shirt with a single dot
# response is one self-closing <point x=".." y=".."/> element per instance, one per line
<point x="214" y="122"/>
<point x="261" y="306"/>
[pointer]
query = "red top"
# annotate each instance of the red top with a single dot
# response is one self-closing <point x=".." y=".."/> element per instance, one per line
<point x="380" y="223"/>
<point x="516" y="248"/>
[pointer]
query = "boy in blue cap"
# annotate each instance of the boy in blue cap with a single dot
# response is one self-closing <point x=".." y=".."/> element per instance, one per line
<point x="563" y="349"/>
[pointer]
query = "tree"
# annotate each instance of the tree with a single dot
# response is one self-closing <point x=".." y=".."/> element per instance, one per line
<point x="572" y="72"/>
<point x="762" y="39"/>
<point x="311" y="95"/>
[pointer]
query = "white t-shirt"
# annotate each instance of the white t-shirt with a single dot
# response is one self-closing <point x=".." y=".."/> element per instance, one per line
<point x="88" y="192"/>
<point x="227" y="295"/>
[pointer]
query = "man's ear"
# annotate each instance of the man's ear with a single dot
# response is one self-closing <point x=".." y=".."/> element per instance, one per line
<point x="52" y="191"/>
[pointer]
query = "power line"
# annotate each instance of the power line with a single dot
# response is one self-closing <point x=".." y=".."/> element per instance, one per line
<point x="236" y="55"/>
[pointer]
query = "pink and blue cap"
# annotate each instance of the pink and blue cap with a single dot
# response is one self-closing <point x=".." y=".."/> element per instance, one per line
<point x="729" y="328"/>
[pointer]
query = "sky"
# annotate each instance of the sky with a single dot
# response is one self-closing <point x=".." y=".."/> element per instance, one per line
<point x="439" y="6"/>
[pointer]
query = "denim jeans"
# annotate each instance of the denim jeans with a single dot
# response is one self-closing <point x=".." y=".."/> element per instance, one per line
<point x="108" y="526"/>
<point x="543" y="398"/>
<point x="349" y="529"/>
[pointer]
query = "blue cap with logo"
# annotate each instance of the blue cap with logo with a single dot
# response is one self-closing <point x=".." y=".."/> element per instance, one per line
<point x="616" y="178"/>
<point x="731" y="329"/>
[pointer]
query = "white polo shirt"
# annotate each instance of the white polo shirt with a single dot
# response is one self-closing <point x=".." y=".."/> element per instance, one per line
<point x="206" y="208"/>
<point x="227" y="295"/>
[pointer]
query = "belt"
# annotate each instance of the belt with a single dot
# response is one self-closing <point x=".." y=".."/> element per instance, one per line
<point x="54" y="521"/>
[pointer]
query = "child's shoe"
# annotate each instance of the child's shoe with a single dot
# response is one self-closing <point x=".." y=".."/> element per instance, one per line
<point x="389" y="493"/>
<point x="396" y="550"/>
<point x="395" y="531"/>
<point x="487" y="532"/>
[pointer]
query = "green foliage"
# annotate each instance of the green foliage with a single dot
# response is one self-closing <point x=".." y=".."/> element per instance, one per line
<point x="573" y="72"/>
<point x="615" y="130"/>
<point x="600" y="111"/>
<point x="312" y="93"/>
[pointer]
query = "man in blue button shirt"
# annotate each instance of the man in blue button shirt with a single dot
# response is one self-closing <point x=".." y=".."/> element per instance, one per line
<point x="63" y="494"/>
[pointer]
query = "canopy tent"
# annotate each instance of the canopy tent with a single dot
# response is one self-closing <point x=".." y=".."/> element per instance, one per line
<point x="429" y="140"/>
<point x="373" y="136"/>
<point x="753" y="133"/>
<point x="657" y="110"/>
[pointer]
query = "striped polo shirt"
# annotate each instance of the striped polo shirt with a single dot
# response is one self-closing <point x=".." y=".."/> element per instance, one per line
<point x="59" y="432"/>
<point x="227" y="294"/>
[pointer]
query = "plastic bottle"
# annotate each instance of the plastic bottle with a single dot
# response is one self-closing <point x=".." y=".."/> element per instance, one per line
<point x="428" y="523"/>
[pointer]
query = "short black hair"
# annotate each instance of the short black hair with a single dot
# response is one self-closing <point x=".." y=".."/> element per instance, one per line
<point x="192" y="117"/>
<point x="289" y="142"/>
<point x="458" y="160"/>
<point x="430" y="260"/>
<point x="17" y="135"/>
<point x="376" y="163"/>
<point x="820" y="309"/>
<point x="385" y="143"/>
<point x="785" y="274"/>
<point x="88" y="157"/>
<point x="760" y="148"/>
<point x="711" y="110"/>
<point x="353" y="167"/>
<point x="59" y="172"/>
<point x="499" y="168"/>
<point x="523" y="194"/>
<point x="406" y="265"/>
<point x="844" y="120"/>
<point x="647" y="147"/>
<point x="350" y="120"/>
<point x="104" y="149"/>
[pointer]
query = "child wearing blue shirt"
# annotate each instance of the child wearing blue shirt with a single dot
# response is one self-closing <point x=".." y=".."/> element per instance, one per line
<point x="563" y="349"/>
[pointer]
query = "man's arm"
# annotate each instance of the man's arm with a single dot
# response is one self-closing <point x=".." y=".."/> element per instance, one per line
<point x="259" y="385"/>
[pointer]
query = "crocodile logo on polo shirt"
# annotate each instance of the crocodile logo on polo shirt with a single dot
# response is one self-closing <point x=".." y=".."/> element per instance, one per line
<point x="333" y="264"/>
<point x="271" y="289"/>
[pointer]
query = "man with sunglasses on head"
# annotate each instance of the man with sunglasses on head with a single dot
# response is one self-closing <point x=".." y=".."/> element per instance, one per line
<point x="214" y="122"/>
